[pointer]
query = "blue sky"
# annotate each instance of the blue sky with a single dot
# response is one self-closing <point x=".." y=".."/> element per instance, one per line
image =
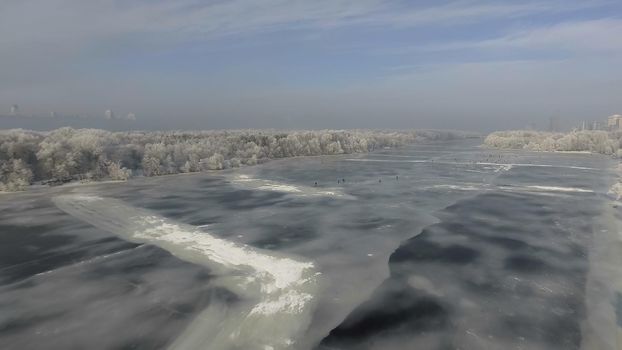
<point x="479" y="65"/>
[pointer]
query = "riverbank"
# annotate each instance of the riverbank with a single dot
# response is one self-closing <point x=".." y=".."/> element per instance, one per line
<point x="69" y="155"/>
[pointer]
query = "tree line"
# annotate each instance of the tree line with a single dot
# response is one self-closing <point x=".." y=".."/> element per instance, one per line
<point x="90" y="154"/>
<point x="594" y="141"/>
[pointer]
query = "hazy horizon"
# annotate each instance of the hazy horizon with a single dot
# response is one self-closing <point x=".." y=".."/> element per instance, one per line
<point x="471" y="65"/>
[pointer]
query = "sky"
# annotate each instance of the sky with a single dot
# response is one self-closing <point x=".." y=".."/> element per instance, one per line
<point x="314" y="64"/>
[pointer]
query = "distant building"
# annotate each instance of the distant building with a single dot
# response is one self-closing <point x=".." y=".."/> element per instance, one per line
<point x="14" y="110"/>
<point x="614" y="122"/>
<point x="554" y="124"/>
<point x="598" y="126"/>
<point x="109" y="114"/>
<point x="591" y="125"/>
<point x="131" y="116"/>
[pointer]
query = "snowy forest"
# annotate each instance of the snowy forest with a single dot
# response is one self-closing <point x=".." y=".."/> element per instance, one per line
<point x="602" y="142"/>
<point x="68" y="154"/>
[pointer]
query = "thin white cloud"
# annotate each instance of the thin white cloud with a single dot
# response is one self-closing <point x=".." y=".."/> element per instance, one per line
<point x="461" y="12"/>
<point x="576" y="37"/>
<point x="49" y="20"/>
<point x="37" y="33"/>
<point x="23" y="22"/>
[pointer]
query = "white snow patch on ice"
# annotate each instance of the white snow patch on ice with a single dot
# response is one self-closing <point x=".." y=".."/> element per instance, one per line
<point x="290" y="302"/>
<point x="280" y="188"/>
<point x="560" y="189"/>
<point x="545" y="190"/>
<point x="384" y="160"/>
<point x="457" y="187"/>
<point x="283" y="286"/>
<point x="280" y="272"/>
<point x="511" y="165"/>
<point x="297" y="190"/>
<point x="497" y="166"/>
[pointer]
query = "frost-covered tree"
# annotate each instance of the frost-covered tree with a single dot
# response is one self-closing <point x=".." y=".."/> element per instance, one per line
<point x="154" y="159"/>
<point x="14" y="175"/>
<point x="590" y="141"/>
<point x="215" y="162"/>
<point x="116" y="172"/>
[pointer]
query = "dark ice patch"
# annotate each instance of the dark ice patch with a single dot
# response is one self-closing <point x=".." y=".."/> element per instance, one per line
<point x="618" y="307"/>
<point x="247" y="199"/>
<point x="284" y="236"/>
<point x="424" y="250"/>
<point x="527" y="264"/>
<point x="28" y="250"/>
<point x="393" y="310"/>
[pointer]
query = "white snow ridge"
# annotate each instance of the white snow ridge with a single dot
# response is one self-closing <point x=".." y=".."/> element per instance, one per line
<point x="277" y="291"/>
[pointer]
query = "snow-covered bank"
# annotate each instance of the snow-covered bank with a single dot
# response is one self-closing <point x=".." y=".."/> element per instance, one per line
<point x="601" y="327"/>
<point x="616" y="189"/>
<point x="278" y="291"/>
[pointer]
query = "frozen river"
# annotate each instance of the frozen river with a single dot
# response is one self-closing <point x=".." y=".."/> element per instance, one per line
<point x="436" y="246"/>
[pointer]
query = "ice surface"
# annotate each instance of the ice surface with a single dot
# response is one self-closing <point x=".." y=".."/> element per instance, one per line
<point x="499" y="250"/>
